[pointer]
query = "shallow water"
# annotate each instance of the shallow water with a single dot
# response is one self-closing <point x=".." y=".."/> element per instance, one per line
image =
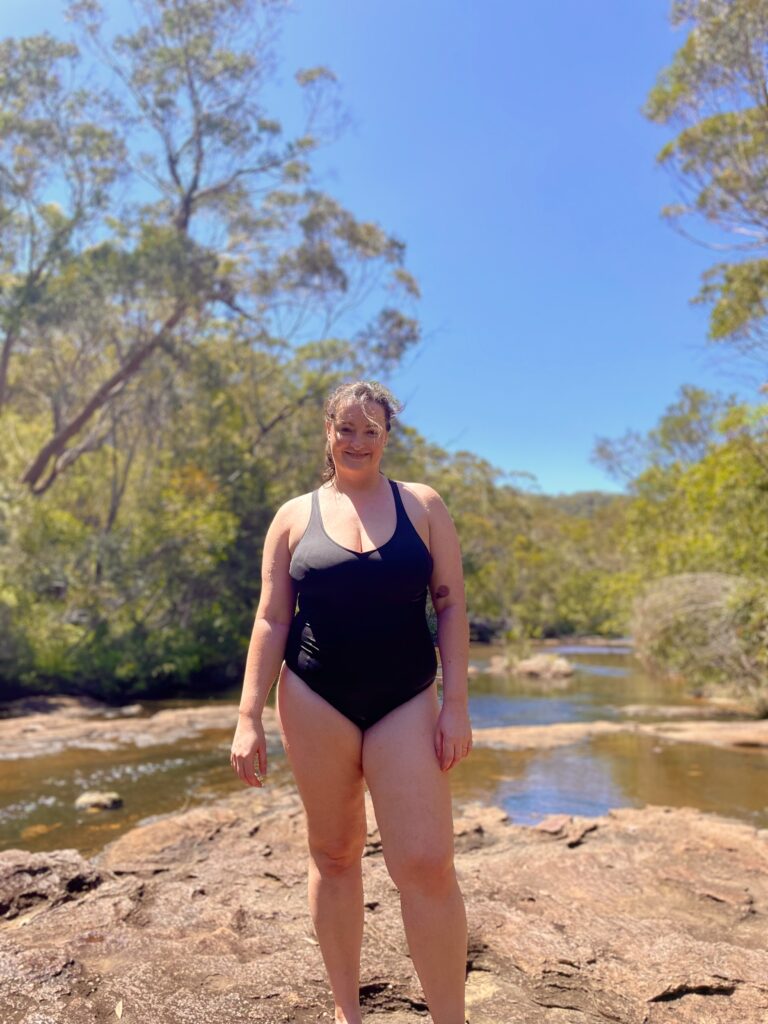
<point x="37" y="794"/>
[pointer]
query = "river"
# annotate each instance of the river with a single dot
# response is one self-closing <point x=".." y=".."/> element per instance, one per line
<point x="626" y="769"/>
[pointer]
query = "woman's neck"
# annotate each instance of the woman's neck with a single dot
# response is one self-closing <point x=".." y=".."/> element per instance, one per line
<point x="357" y="485"/>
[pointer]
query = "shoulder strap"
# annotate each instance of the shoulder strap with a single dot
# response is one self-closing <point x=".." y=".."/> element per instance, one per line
<point x="314" y="514"/>
<point x="399" y="507"/>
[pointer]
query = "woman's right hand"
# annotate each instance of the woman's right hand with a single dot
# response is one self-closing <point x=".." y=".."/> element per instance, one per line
<point x="249" y="746"/>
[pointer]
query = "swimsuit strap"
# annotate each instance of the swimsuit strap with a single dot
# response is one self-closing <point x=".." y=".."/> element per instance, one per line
<point x="399" y="507"/>
<point x="315" y="524"/>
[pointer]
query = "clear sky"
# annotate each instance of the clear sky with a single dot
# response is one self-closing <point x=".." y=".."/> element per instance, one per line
<point x="504" y="143"/>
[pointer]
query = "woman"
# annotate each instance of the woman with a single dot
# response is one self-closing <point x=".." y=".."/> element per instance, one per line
<point x="357" y="700"/>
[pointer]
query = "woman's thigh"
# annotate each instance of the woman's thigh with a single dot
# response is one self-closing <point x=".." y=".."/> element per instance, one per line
<point x="411" y="796"/>
<point x="324" y="751"/>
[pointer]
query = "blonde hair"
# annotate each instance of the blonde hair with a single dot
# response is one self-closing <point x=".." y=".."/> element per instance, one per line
<point x="358" y="392"/>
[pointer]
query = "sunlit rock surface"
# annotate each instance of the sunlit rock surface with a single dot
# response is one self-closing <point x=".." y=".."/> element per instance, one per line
<point x="644" y="916"/>
<point x="63" y="723"/>
<point x="735" y="734"/>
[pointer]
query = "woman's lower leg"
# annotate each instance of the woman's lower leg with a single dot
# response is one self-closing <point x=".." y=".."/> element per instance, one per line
<point x="412" y="802"/>
<point x="436" y="928"/>
<point x="336" y="906"/>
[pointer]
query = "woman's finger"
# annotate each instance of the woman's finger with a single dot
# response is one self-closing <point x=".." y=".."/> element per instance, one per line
<point x="449" y="756"/>
<point x="244" y="766"/>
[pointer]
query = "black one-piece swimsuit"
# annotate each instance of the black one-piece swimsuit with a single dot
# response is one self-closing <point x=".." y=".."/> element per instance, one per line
<point x="360" y="637"/>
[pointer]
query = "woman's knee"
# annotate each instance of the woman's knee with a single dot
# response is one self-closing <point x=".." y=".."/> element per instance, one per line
<point x="336" y="857"/>
<point x="429" y="869"/>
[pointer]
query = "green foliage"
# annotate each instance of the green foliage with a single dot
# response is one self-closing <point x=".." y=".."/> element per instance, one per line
<point x="694" y="546"/>
<point x="714" y="94"/>
<point x="709" y="628"/>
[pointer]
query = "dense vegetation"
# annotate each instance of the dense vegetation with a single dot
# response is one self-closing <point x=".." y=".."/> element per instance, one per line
<point x="177" y="296"/>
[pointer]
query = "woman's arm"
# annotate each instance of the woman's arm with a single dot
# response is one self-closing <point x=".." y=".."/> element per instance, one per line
<point x="267" y="647"/>
<point x="453" y="737"/>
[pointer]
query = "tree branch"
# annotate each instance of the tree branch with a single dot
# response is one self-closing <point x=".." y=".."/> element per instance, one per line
<point x="54" y="447"/>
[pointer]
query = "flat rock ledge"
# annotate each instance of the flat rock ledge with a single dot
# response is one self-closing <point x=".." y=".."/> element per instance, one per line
<point x="643" y="916"/>
<point x="69" y="723"/>
<point x="752" y="733"/>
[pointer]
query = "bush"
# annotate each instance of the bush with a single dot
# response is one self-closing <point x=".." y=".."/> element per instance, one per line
<point x="709" y="628"/>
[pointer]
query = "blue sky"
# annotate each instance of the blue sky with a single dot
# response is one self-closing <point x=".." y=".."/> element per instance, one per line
<point x="504" y="143"/>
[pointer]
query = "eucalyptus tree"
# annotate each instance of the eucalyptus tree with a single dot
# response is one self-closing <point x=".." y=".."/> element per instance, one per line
<point x="167" y="208"/>
<point x="715" y="95"/>
<point x="57" y="162"/>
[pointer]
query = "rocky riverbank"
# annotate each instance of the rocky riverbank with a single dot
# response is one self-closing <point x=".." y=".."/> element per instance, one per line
<point x="643" y="916"/>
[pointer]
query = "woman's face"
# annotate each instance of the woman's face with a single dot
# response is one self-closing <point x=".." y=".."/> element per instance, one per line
<point x="357" y="436"/>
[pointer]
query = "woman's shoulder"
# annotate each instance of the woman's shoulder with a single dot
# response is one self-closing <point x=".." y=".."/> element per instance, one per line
<point x="426" y="496"/>
<point x="293" y="514"/>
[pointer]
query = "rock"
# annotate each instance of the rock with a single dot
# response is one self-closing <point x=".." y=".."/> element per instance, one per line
<point x="545" y="666"/>
<point x="644" y="916"/>
<point x="544" y="737"/>
<point x="93" y="800"/>
<point x="706" y="709"/>
<point x="79" y="724"/>
<point x="752" y="733"/>
<point x="498" y="665"/>
<point x="61" y="706"/>
<point x="31" y="879"/>
<point x="124" y="711"/>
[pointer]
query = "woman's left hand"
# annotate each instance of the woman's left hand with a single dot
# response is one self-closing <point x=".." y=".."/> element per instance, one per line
<point x="453" y="735"/>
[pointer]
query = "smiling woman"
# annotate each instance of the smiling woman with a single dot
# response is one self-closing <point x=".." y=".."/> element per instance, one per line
<point x="358" y="418"/>
<point x="357" y="697"/>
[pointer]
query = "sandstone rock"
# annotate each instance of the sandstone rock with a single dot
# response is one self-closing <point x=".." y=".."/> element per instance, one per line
<point x="752" y="733"/>
<point x="80" y="724"/>
<point x="94" y="800"/>
<point x="543" y="737"/>
<point x="545" y="666"/>
<point x="643" y="916"/>
<point x="706" y="709"/>
<point x="498" y="665"/>
<point x="60" y="705"/>
<point x="30" y="880"/>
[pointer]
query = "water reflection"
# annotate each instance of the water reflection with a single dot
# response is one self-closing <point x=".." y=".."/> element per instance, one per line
<point x="529" y="784"/>
<point x="729" y="782"/>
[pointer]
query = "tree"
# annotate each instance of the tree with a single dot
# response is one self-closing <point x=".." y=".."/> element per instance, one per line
<point x="57" y="163"/>
<point x="216" y="225"/>
<point x="715" y="93"/>
<point x="684" y="434"/>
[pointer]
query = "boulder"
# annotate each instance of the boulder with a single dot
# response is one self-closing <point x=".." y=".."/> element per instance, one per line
<point x="545" y="666"/>
<point x="93" y="800"/>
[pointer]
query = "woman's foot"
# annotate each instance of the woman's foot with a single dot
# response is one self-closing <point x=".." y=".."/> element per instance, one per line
<point x="342" y="1018"/>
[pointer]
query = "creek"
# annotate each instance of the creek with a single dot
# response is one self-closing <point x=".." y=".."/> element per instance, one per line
<point x="589" y="777"/>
